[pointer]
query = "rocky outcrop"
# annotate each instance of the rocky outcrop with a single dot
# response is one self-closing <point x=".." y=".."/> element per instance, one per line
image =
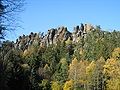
<point x="53" y="36"/>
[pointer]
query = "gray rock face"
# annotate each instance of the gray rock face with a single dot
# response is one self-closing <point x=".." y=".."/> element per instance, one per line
<point x="53" y="36"/>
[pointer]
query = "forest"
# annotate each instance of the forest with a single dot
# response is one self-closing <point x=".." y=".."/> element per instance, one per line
<point x="86" y="59"/>
<point x="93" y="63"/>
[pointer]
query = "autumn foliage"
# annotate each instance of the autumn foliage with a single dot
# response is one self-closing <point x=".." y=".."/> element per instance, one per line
<point x="93" y="63"/>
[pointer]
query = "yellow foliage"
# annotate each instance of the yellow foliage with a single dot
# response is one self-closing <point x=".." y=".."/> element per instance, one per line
<point x="112" y="67"/>
<point x="81" y="51"/>
<point x="112" y="70"/>
<point x="68" y="42"/>
<point x="82" y="71"/>
<point x="55" y="86"/>
<point x="74" y="69"/>
<point x="77" y="72"/>
<point x="90" y="68"/>
<point x="74" y="62"/>
<point x="113" y="84"/>
<point x="68" y="85"/>
<point x="116" y="53"/>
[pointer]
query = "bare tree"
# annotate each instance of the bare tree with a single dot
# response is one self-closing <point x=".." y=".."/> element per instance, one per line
<point x="9" y="10"/>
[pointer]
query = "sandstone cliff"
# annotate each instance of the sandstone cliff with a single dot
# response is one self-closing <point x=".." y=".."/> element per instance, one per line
<point x="53" y="36"/>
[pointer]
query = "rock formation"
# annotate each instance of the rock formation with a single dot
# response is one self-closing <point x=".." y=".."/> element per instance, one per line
<point x="53" y="36"/>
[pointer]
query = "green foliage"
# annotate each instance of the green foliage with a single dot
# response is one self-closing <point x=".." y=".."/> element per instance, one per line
<point x="13" y="72"/>
<point x="100" y="43"/>
<point x="91" y="64"/>
<point x="61" y="73"/>
<point x="45" y="85"/>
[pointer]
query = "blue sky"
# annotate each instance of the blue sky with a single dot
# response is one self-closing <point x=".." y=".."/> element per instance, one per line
<point x="41" y="15"/>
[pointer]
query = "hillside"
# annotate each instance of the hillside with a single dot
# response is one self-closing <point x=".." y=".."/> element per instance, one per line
<point x="86" y="59"/>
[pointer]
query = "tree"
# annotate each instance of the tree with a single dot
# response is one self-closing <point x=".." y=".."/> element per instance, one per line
<point x="47" y="72"/>
<point x="9" y="9"/>
<point x="68" y="85"/>
<point x="13" y="72"/>
<point x="98" y="76"/>
<point x="116" y="53"/>
<point x="74" y="71"/>
<point x="90" y="69"/>
<point x="45" y="85"/>
<point x="55" y="85"/>
<point x="61" y="73"/>
<point x="77" y="73"/>
<point x="112" y="74"/>
<point x="5" y="64"/>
